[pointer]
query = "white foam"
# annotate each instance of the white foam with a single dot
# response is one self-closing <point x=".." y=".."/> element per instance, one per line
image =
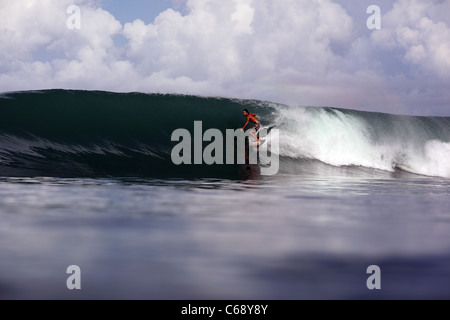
<point x="435" y="161"/>
<point x="347" y="139"/>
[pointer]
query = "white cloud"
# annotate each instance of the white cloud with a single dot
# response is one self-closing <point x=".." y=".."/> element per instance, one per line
<point x="415" y="27"/>
<point x="233" y="43"/>
<point x="77" y="56"/>
<point x="304" y="52"/>
<point x="243" y="17"/>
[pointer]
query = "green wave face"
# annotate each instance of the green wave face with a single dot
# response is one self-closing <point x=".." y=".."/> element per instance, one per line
<point x="85" y="133"/>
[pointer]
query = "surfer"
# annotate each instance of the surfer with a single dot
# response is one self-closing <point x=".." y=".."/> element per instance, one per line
<point x="252" y="117"/>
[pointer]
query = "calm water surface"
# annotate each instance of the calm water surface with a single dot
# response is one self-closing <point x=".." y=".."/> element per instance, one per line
<point x="302" y="237"/>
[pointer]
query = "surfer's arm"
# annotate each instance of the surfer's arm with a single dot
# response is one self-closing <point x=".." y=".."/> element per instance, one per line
<point x="243" y="128"/>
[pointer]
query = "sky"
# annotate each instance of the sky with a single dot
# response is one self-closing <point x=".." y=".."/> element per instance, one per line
<point x="295" y="52"/>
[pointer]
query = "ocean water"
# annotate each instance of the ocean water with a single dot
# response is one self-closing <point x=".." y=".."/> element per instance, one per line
<point x="86" y="179"/>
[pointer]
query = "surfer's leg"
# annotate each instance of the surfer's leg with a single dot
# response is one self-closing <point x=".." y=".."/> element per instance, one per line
<point x="255" y="130"/>
<point x="252" y="132"/>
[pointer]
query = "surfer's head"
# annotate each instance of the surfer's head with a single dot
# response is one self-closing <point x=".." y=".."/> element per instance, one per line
<point x="245" y="112"/>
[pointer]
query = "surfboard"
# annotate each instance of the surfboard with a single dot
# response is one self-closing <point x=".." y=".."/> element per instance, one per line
<point x="268" y="129"/>
<point x="261" y="142"/>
